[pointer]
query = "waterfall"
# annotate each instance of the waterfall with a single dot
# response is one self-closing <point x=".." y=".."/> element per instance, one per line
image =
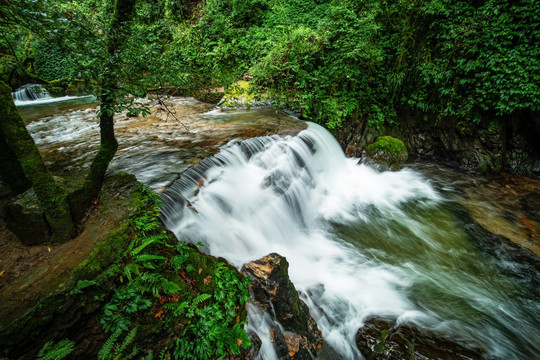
<point x="359" y="242"/>
<point x="30" y="92"/>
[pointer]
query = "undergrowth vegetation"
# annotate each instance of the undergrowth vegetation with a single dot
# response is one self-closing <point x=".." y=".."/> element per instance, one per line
<point x="162" y="281"/>
<point x="169" y="301"/>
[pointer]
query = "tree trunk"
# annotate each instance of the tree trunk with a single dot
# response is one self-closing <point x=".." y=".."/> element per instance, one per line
<point x="82" y="199"/>
<point x="51" y="196"/>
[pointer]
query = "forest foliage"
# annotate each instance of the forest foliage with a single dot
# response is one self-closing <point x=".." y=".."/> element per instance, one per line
<point x="338" y="60"/>
<point x="331" y="60"/>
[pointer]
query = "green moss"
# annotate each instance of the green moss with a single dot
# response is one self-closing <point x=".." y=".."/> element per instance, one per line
<point x="111" y="250"/>
<point x="209" y="96"/>
<point x="388" y="150"/>
<point x="387" y="144"/>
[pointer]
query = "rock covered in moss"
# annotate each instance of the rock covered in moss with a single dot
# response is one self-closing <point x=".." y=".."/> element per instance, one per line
<point x="211" y="97"/>
<point x="273" y="293"/>
<point x="388" y="151"/>
<point x="24" y="217"/>
<point x="381" y="338"/>
<point x="241" y="95"/>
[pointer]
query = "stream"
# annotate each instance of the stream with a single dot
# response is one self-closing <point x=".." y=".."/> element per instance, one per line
<point x="426" y="244"/>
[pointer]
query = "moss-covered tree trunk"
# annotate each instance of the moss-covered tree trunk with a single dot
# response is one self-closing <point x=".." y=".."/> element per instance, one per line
<point x="81" y="200"/>
<point x="51" y="196"/>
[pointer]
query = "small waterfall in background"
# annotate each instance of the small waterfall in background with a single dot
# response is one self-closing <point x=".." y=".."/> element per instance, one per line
<point x="359" y="243"/>
<point x="30" y="92"/>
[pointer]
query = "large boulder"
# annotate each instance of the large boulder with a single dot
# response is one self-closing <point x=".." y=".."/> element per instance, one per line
<point x="274" y="294"/>
<point x="24" y="217"/>
<point x="387" y="151"/>
<point x="381" y="338"/>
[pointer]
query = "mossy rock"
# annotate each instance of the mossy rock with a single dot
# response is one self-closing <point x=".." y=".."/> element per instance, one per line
<point x="210" y="97"/>
<point x="241" y="95"/>
<point x="58" y="87"/>
<point x="387" y="151"/>
<point x="26" y="220"/>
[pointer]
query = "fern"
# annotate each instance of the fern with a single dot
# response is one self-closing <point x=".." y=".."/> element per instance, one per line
<point x="105" y="351"/>
<point x="178" y="260"/>
<point x="154" y="239"/>
<point x="127" y="341"/>
<point x="149" y="257"/>
<point x="112" y="350"/>
<point x="50" y="351"/>
<point x="150" y="282"/>
<point x="177" y="309"/>
<point x="130" y="269"/>
<point x="146" y="260"/>
<point x="199" y="299"/>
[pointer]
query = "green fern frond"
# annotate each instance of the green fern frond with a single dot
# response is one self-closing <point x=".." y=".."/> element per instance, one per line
<point x="49" y="351"/>
<point x="149" y="257"/>
<point x="127" y="341"/>
<point x="154" y="239"/>
<point x="105" y="352"/>
<point x="199" y="299"/>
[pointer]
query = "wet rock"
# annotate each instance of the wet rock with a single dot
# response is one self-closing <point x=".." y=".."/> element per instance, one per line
<point x="531" y="204"/>
<point x="388" y="151"/>
<point x="297" y="337"/>
<point x="210" y="97"/>
<point x="381" y="338"/>
<point x="507" y="144"/>
<point x="24" y="218"/>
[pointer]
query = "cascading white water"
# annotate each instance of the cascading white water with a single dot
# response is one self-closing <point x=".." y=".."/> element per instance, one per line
<point x="30" y="92"/>
<point x="359" y="242"/>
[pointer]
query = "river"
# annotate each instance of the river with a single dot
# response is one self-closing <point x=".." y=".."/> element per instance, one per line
<point x="413" y="244"/>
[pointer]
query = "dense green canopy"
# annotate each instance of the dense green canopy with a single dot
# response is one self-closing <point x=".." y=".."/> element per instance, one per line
<point x="331" y="60"/>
